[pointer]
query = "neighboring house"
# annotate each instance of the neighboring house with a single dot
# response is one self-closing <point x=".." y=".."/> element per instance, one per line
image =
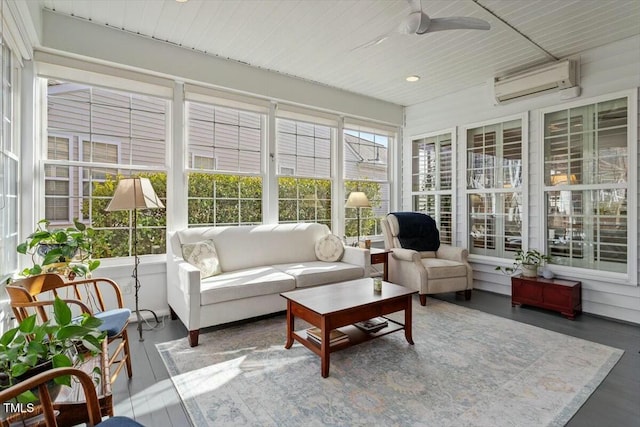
<point x="98" y="126"/>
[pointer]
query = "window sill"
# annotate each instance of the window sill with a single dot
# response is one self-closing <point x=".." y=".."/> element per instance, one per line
<point x="562" y="271"/>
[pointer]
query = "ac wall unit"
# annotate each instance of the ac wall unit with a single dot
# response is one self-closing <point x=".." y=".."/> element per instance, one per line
<point x="559" y="75"/>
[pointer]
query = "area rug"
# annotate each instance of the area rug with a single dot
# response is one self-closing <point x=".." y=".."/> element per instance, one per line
<point x="467" y="368"/>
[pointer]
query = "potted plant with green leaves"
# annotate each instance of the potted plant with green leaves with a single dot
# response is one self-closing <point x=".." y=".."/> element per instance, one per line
<point x="527" y="261"/>
<point x="66" y="251"/>
<point x="32" y="347"/>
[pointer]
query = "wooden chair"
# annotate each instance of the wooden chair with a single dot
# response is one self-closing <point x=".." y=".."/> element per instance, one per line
<point x="28" y="296"/>
<point x="45" y="411"/>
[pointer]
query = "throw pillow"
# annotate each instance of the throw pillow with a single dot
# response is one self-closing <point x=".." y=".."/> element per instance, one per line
<point x="329" y="248"/>
<point x="204" y="256"/>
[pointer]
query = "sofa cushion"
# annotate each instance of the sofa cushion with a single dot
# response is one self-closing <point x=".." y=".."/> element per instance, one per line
<point x="438" y="268"/>
<point x="204" y="256"/>
<point x="329" y="248"/>
<point x="314" y="273"/>
<point x="246" y="283"/>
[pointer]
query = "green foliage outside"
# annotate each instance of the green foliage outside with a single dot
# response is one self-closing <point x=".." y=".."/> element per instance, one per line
<point x="218" y="199"/>
<point x="112" y="229"/>
<point x="369" y="223"/>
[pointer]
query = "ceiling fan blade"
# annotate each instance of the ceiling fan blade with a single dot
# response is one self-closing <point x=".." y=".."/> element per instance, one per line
<point x="456" y="23"/>
<point x="373" y="42"/>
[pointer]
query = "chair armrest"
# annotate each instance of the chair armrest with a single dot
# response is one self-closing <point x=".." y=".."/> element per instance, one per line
<point x="40" y="382"/>
<point x="84" y="308"/>
<point x="406" y="255"/>
<point x="357" y="256"/>
<point x="452" y="253"/>
<point x="99" y="283"/>
<point x="188" y="277"/>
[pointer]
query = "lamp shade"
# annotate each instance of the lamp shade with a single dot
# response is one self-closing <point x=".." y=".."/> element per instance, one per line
<point x="563" y="179"/>
<point x="357" y="199"/>
<point x="134" y="193"/>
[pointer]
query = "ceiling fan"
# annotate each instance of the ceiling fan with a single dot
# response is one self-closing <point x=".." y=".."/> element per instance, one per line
<point x="418" y="22"/>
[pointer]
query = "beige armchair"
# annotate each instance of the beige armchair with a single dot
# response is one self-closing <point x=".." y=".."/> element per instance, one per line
<point x="419" y="261"/>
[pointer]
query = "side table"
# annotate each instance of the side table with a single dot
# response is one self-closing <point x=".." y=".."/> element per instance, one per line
<point x="381" y="256"/>
<point x="564" y="296"/>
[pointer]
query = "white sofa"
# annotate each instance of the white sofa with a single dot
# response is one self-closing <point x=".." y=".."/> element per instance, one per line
<point x="258" y="263"/>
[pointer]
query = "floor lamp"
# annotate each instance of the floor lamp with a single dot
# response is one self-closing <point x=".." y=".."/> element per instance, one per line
<point x="358" y="200"/>
<point x="132" y="194"/>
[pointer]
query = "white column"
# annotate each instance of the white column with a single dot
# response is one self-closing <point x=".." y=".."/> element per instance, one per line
<point x="177" y="206"/>
<point x="269" y="176"/>
<point x="337" y="186"/>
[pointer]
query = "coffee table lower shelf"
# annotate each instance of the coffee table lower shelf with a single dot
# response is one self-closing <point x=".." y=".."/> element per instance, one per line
<point x="355" y="334"/>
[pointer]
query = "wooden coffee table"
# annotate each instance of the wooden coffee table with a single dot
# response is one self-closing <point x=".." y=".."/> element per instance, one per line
<point x="340" y="306"/>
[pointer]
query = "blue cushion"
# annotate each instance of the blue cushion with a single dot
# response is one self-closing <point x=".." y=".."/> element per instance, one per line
<point x="113" y="321"/>
<point x="120" y="422"/>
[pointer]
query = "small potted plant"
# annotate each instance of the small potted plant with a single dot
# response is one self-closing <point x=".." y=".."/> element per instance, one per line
<point x="32" y="347"/>
<point x="66" y="251"/>
<point x="527" y="261"/>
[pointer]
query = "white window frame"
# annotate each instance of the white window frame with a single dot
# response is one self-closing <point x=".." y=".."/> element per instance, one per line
<point x="195" y="156"/>
<point x="80" y="179"/>
<point x="464" y="202"/>
<point x="121" y="86"/>
<point x="631" y="277"/>
<point x="392" y="138"/>
<point x="454" y="182"/>
<point x="71" y="179"/>
<point x="282" y="171"/>
<point x="204" y="99"/>
<point x="333" y="137"/>
<point x="9" y="152"/>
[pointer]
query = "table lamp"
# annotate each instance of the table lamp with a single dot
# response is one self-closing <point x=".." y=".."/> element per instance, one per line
<point x="358" y="200"/>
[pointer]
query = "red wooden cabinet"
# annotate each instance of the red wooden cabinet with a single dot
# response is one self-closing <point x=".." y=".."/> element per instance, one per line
<point x="564" y="296"/>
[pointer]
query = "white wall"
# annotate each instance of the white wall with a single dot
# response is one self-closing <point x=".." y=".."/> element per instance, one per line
<point x="604" y="70"/>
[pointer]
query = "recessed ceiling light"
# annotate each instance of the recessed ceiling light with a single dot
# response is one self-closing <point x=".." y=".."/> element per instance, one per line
<point x="413" y="78"/>
<point x="182" y="1"/>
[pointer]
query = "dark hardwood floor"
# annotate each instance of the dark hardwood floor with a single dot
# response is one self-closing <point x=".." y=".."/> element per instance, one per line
<point x="151" y="399"/>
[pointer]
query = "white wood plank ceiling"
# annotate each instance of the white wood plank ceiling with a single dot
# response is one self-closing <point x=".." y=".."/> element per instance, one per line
<point x="315" y="39"/>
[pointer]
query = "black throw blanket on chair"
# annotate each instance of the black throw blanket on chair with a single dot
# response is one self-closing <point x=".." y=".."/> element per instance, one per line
<point x="417" y="231"/>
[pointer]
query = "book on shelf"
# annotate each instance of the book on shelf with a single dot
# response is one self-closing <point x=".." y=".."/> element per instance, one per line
<point x="335" y="336"/>
<point x="372" y="325"/>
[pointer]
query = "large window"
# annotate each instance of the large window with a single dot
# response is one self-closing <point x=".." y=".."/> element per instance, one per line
<point x="586" y="166"/>
<point x="494" y="188"/>
<point x="304" y="163"/>
<point x="225" y="182"/>
<point x="95" y="137"/>
<point x="366" y="159"/>
<point x="8" y="168"/>
<point x="432" y="174"/>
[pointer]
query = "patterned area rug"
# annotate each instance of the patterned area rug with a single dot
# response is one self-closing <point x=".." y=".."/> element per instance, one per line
<point x="467" y="368"/>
